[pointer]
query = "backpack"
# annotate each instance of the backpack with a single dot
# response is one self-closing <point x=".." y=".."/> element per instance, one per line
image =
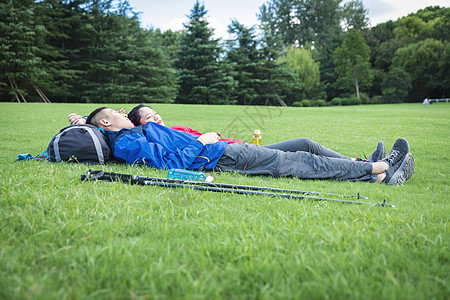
<point x="80" y="144"/>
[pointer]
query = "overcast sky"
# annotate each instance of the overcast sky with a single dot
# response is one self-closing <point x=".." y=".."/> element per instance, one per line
<point x="171" y="14"/>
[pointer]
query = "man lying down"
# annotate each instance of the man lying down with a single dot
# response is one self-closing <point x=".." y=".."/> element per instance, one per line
<point x="161" y="147"/>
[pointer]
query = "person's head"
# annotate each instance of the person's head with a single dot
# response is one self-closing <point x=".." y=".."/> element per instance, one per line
<point x="109" y="119"/>
<point x="143" y="114"/>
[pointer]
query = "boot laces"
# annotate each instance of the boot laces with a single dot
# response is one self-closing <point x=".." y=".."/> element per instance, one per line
<point x="390" y="158"/>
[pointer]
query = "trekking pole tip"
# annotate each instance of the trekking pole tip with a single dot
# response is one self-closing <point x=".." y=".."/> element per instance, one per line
<point x="385" y="204"/>
<point x="86" y="177"/>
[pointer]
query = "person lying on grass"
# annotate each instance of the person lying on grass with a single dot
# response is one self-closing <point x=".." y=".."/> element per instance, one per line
<point x="143" y="114"/>
<point x="161" y="147"/>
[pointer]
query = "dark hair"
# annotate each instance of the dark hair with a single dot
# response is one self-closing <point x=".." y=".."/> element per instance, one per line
<point x="91" y="119"/>
<point x="135" y="116"/>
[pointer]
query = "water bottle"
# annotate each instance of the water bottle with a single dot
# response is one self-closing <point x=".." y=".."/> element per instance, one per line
<point x="188" y="175"/>
<point x="257" y="138"/>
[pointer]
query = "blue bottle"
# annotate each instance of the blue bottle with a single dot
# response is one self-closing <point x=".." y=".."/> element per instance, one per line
<point x="186" y="175"/>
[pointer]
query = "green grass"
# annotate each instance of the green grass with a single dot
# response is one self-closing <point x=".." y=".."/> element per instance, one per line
<point x="63" y="239"/>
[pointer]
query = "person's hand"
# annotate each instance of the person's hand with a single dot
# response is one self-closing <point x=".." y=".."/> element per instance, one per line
<point x="208" y="138"/>
<point x="122" y="111"/>
<point x="75" y="119"/>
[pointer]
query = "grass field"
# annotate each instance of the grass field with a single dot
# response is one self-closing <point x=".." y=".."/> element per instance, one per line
<point x="64" y="239"/>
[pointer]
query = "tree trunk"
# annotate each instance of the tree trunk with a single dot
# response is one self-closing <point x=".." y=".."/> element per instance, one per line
<point x="16" y="93"/>
<point x="41" y="94"/>
<point x="356" y="81"/>
<point x="282" y="103"/>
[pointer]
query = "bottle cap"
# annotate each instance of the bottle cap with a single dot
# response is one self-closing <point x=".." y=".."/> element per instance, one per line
<point x="257" y="131"/>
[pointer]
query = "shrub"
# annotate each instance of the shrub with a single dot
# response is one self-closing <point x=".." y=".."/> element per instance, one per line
<point x="377" y="100"/>
<point x="336" y="101"/>
<point x="346" y="101"/>
<point x="296" y="104"/>
<point x="355" y="101"/>
<point x="321" y="103"/>
<point x="365" y="99"/>
<point x="306" y="103"/>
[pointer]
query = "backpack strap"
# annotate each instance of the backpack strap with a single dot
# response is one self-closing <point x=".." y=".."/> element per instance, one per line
<point x="27" y="156"/>
<point x="98" y="146"/>
<point x="56" y="146"/>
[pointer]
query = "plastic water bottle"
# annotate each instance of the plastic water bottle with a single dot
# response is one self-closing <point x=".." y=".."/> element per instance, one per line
<point x="189" y="175"/>
<point x="257" y="138"/>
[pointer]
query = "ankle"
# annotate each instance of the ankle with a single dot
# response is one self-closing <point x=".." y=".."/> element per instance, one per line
<point x="380" y="177"/>
<point x="384" y="165"/>
<point x="379" y="167"/>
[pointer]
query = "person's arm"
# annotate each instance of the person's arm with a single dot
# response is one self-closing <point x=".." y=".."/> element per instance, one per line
<point x="197" y="133"/>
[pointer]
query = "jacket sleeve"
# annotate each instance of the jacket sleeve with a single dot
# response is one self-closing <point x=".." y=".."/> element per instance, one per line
<point x="136" y="149"/>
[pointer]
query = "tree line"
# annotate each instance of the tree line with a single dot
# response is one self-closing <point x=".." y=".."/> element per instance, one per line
<point x="319" y="50"/>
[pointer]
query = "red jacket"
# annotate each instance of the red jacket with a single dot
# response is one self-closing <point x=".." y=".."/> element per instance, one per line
<point x="196" y="133"/>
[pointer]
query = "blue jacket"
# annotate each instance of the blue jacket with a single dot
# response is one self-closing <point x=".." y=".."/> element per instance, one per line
<point x="161" y="147"/>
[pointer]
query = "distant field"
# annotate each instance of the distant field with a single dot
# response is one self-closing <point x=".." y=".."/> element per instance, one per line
<point x="64" y="239"/>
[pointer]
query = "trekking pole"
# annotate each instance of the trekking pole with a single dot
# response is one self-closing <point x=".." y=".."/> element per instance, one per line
<point x="126" y="177"/>
<point x="106" y="176"/>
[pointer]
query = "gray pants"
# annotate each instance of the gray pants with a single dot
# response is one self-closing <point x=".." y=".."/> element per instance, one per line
<point x="306" y="145"/>
<point x="257" y="160"/>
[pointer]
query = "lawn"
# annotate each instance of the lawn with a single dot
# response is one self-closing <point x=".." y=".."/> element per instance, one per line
<point x="64" y="239"/>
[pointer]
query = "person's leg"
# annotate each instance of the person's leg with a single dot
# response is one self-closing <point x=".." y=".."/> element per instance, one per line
<point x="256" y="160"/>
<point x="306" y="145"/>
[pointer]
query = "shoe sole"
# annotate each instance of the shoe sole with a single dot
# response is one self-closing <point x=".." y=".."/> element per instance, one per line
<point x="408" y="150"/>
<point x="404" y="172"/>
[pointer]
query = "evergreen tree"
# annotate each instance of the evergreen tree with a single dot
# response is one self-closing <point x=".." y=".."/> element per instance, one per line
<point x="19" y="56"/>
<point x="277" y="82"/>
<point x="114" y="59"/>
<point x="247" y="61"/>
<point x="154" y="77"/>
<point x="352" y="61"/>
<point x="278" y="85"/>
<point x="101" y="65"/>
<point x="170" y="40"/>
<point x="203" y="78"/>
<point x="55" y="17"/>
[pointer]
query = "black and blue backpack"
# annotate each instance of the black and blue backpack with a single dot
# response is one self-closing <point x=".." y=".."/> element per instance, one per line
<point x="80" y="144"/>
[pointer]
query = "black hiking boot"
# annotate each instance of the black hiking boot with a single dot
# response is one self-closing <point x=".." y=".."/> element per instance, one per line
<point x="379" y="154"/>
<point x="398" y="152"/>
